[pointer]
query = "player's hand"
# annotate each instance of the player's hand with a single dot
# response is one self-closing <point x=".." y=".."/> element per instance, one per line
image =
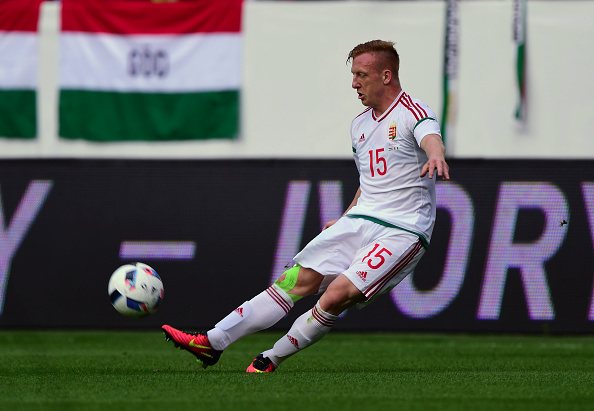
<point x="329" y="224"/>
<point x="439" y="164"/>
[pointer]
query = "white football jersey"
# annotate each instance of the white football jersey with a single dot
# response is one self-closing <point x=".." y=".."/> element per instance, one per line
<point x="389" y="158"/>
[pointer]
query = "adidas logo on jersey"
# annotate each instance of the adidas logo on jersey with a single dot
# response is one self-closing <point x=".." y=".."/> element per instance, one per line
<point x="362" y="138"/>
<point x="293" y="341"/>
<point x="362" y="275"/>
<point x="239" y="310"/>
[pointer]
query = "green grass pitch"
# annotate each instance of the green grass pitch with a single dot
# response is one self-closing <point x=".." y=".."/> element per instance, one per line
<point x="98" y="370"/>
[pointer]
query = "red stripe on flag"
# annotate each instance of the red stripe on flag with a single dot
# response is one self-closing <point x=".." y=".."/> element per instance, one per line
<point x="139" y="17"/>
<point x="19" y="15"/>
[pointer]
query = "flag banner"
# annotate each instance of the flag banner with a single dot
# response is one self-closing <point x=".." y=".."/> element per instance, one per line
<point x="143" y="71"/>
<point x="519" y="30"/>
<point x="19" y="52"/>
<point x="450" y="73"/>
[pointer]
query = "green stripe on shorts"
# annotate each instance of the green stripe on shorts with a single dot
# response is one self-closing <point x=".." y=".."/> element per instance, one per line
<point x="385" y="224"/>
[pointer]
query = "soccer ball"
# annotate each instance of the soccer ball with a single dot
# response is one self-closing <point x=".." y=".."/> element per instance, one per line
<point x="135" y="290"/>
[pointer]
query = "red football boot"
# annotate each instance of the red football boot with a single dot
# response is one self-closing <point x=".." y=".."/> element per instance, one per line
<point x="195" y="343"/>
<point x="261" y="364"/>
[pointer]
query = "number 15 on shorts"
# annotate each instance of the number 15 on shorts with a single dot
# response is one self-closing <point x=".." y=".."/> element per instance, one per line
<point x="376" y="257"/>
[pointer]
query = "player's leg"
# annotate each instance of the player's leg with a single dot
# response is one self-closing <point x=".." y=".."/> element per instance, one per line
<point x="261" y="312"/>
<point x="266" y="308"/>
<point x="375" y="270"/>
<point x="340" y="295"/>
<point x="329" y="253"/>
<point x="312" y="326"/>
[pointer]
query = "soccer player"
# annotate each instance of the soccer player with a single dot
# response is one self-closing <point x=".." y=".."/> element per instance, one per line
<point x="377" y="242"/>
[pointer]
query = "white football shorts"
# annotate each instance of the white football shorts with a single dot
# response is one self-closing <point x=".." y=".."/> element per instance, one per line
<point x="373" y="257"/>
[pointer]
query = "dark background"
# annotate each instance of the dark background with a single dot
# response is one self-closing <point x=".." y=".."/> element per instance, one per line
<point x="232" y="210"/>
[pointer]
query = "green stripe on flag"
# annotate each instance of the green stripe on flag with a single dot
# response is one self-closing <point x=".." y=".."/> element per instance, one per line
<point x="520" y="79"/>
<point x="519" y="32"/>
<point x="128" y="116"/>
<point x="18" y="113"/>
<point x="445" y="109"/>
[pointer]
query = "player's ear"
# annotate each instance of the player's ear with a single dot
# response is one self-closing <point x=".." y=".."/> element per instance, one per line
<point x="387" y="76"/>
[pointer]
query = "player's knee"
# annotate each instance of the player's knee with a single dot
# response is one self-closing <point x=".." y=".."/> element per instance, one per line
<point x="299" y="282"/>
<point x="287" y="282"/>
<point x="340" y="295"/>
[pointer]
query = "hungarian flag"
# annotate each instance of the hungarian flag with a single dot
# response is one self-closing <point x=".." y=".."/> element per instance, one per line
<point x="147" y="71"/>
<point x="18" y="67"/>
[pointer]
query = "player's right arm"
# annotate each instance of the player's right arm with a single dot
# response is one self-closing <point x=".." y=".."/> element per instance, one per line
<point x="353" y="203"/>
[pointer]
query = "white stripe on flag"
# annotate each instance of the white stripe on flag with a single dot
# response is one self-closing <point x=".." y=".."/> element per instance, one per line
<point x="158" y="250"/>
<point x="146" y="63"/>
<point x="18" y="60"/>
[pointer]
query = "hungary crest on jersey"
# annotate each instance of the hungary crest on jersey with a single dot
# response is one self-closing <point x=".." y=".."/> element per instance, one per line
<point x="392" y="131"/>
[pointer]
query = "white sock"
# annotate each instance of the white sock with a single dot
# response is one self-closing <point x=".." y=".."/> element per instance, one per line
<point x="261" y="312"/>
<point x="308" y="329"/>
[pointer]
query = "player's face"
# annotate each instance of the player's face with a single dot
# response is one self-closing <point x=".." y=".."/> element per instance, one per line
<point x="367" y="80"/>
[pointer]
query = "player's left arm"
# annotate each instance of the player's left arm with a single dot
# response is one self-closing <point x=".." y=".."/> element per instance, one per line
<point x="433" y="146"/>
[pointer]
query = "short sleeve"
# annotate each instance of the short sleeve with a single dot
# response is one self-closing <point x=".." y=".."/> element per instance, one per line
<point x="424" y="127"/>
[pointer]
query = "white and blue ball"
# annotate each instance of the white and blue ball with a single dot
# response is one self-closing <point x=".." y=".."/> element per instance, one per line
<point x="135" y="290"/>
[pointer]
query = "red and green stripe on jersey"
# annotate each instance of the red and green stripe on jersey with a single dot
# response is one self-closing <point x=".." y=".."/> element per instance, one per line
<point x="416" y="109"/>
<point x="147" y="71"/>
<point x="19" y="50"/>
<point x="406" y="101"/>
